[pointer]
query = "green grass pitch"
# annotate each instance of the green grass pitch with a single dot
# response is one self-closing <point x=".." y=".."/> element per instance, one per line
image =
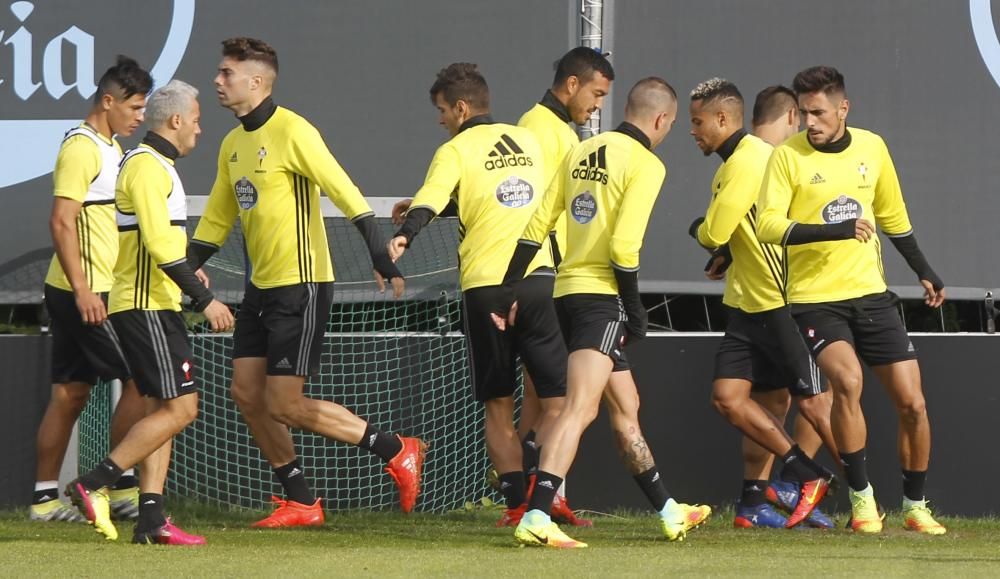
<point x="466" y="544"/>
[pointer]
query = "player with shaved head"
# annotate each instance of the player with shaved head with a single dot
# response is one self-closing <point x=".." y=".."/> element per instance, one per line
<point x="607" y="186"/>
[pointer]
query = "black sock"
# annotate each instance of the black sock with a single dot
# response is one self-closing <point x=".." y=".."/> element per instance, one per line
<point x="105" y="474"/>
<point x="652" y="486"/>
<point x="44" y="495"/>
<point x="293" y="479"/>
<point x="530" y="453"/>
<point x="753" y="493"/>
<point x="546" y="485"/>
<point x="126" y="481"/>
<point x="512" y="488"/>
<point x="150" y="512"/>
<point x="913" y="484"/>
<point x="385" y="445"/>
<point x="816" y="467"/>
<point x="855" y="469"/>
<point x="795" y="468"/>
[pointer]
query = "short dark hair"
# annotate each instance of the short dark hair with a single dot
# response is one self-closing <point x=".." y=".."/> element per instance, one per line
<point x="462" y="81"/>
<point x="123" y="80"/>
<point x="242" y="48"/>
<point x="582" y="62"/>
<point x="771" y="103"/>
<point x="716" y="90"/>
<point x="648" y="96"/>
<point x="825" y="79"/>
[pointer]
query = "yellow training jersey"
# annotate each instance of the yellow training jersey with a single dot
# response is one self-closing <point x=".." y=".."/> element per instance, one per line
<point x="494" y="172"/>
<point x="86" y="169"/>
<point x="803" y="185"/>
<point x="607" y="187"/>
<point x="754" y="281"/>
<point x="271" y="177"/>
<point x="152" y="215"/>
<point x="549" y="122"/>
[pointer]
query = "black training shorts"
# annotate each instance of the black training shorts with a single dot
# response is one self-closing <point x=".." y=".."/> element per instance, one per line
<point x="871" y="324"/>
<point x="285" y="325"/>
<point x="765" y="348"/>
<point x="81" y="352"/>
<point x="156" y="346"/>
<point x="535" y="338"/>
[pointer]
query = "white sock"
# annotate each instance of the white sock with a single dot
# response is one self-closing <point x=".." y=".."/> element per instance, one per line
<point x="669" y="508"/>
<point x="537" y="517"/>
<point x="865" y="492"/>
<point x="45" y="485"/>
<point x="907" y="503"/>
<point x="129" y="472"/>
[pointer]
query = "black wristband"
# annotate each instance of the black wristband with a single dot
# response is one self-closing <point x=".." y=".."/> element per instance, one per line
<point x="727" y="258"/>
<point x="907" y="246"/>
<point x="693" y="229"/>
<point x="801" y="233"/>
<point x="182" y="275"/>
<point x="198" y="252"/>
<point x="524" y="252"/>
<point x="416" y="219"/>
<point x="628" y="290"/>
<point x="376" y="246"/>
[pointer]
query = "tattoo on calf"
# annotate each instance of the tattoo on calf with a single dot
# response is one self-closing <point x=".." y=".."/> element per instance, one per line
<point x="634" y="451"/>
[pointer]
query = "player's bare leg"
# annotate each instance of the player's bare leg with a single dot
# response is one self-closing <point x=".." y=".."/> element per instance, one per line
<point x="153" y="527"/>
<point x="156" y="429"/>
<point x="531" y="407"/>
<point x="757" y="461"/>
<point x="806" y="436"/>
<point x="752" y="509"/>
<point x="280" y="404"/>
<point x="587" y="375"/>
<point x="902" y="382"/>
<point x="621" y="398"/>
<point x="287" y="405"/>
<point x="504" y="450"/>
<point x="812" y="424"/>
<point x="248" y="391"/>
<point x="731" y="398"/>
<point x="502" y="443"/>
<point x="839" y="363"/>
<point x="131" y="408"/>
<point x="65" y="405"/>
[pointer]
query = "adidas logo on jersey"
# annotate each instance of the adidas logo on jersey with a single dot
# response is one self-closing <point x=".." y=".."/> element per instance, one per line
<point x="507" y="153"/>
<point x="234" y="158"/>
<point x="817" y="179"/>
<point x="284" y="363"/>
<point x="594" y="167"/>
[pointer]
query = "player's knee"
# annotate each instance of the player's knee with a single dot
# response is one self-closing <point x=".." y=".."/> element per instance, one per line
<point x="727" y="406"/>
<point x="72" y="400"/>
<point x="285" y="412"/>
<point x="913" y="409"/>
<point x="815" y="409"/>
<point x="584" y="413"/>
<point x="184" y="411"/>
<point x="245" y="398"/>
<point x="847" y="384"/>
